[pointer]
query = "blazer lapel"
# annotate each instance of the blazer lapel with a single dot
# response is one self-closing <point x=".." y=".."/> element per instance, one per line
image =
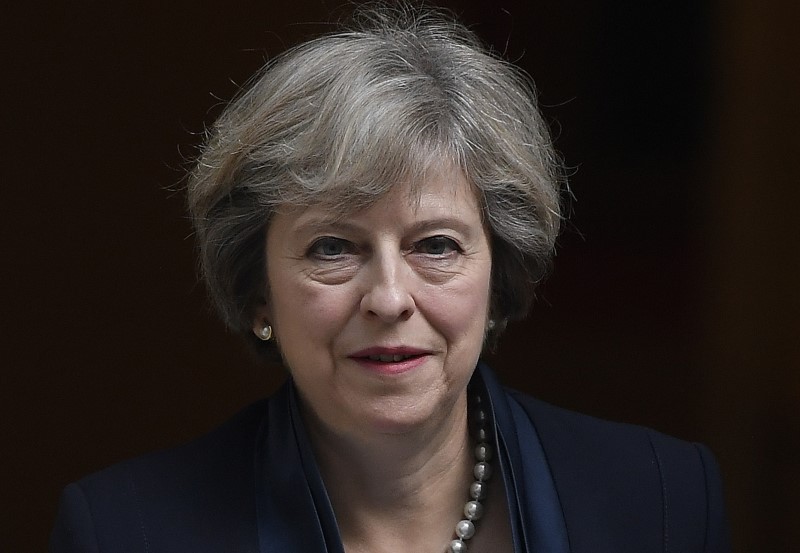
<point x="293" y="509"/>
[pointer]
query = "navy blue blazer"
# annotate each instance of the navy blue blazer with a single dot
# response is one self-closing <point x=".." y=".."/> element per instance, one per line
<point x="574" y="484"/>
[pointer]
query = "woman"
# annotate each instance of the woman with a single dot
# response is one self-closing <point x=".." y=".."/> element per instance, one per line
<point x="374" y="208"/>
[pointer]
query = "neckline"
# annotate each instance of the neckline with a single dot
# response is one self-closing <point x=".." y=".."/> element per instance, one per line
<point x="294" y="512"/>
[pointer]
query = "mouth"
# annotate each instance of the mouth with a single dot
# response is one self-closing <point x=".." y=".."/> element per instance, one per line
<point x="391" y="360"/>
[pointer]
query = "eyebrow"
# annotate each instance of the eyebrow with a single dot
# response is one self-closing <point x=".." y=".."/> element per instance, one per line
<point x="321" y="224"/>
<point x="444" y="222"/>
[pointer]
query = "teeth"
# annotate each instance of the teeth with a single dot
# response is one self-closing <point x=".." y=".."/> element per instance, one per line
<point x="388" y="358"/>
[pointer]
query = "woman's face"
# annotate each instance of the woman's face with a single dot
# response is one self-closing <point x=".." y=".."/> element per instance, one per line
<point x="380" y="315"/>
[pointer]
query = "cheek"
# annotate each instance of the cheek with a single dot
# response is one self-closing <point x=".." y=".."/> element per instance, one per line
<point x="460" y="311"/>
<point x="307" y="316"/>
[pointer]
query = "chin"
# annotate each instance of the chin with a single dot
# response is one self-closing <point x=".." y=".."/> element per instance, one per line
<point x="398" y="416"/>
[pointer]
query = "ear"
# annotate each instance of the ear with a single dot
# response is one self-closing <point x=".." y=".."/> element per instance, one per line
<point x="261" y="316"/>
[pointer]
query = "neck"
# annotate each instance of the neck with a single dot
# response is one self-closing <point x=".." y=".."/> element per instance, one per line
<point x="381" y="486"/>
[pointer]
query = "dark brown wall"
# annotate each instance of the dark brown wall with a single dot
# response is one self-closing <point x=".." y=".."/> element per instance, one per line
<point x="674" y="297"/>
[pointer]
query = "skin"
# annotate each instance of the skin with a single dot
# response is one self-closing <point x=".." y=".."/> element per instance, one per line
<point x="408" y="277"/>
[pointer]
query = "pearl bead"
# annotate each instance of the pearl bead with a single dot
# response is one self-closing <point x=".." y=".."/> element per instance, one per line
<point x="477" y="490"/>
<point x="483" y="452"/>
<point x="482" y="471"/>
<point x="457" y="546"/>
<point x="473" y="510"/>
<point x="465" y="529"/>
<point x="479" y="417"/>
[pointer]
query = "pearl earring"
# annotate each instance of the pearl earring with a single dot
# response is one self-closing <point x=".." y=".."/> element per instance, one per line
<point x="265" y="333"/>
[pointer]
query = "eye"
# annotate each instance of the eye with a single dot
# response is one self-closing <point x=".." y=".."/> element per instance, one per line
<point x="437" y="245"/>
<point x="329" y="247"/>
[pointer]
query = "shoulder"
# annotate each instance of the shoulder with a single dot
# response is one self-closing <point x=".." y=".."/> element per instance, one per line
<point x="221" y="452"/>
<point x="570" y="429"/>
<point x="169" y="496"/>
<point x="630" y="480"/>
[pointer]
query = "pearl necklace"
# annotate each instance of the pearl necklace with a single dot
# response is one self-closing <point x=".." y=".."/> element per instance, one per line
<point x="473" y="509"/>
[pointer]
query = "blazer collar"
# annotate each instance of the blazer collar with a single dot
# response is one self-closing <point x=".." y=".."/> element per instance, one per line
<point x="293" y="509"/>
<point x="537" y="517"/>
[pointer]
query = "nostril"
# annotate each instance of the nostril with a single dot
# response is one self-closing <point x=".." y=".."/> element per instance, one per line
<point x="387" y="294"/>
<point x="388" y="304"/>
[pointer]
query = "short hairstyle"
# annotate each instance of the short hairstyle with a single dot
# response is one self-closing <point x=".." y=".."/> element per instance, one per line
<point x="342" y="118"/>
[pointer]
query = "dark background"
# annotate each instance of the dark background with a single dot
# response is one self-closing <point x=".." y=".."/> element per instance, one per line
<point x="673" y="302"/>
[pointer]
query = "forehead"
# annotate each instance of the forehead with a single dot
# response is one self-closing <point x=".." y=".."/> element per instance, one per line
<point x="445" y="192"/>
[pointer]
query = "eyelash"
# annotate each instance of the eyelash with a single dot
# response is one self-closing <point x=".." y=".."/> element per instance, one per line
<point x="316" y="248"/>
<point x="450" y="246"/>
<point x="344" y="247"/>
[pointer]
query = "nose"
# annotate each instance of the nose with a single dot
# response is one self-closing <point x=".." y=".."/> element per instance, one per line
<point x="387" y="295"/>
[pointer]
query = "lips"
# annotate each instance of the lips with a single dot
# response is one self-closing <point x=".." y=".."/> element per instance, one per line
<point x="390" y="360"/>
<point x="388" y="354"/>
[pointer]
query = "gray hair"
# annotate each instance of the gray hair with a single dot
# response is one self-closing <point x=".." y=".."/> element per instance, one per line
<point x="341" y="119"/>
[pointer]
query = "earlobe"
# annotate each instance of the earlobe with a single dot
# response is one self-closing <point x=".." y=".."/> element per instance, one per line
<point x="264" y="333"/>
<point x="261" y="327"/>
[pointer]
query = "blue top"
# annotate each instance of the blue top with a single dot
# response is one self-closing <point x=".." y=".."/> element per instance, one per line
<point x="307" y="523"/>
<point x="574" y="484"/>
